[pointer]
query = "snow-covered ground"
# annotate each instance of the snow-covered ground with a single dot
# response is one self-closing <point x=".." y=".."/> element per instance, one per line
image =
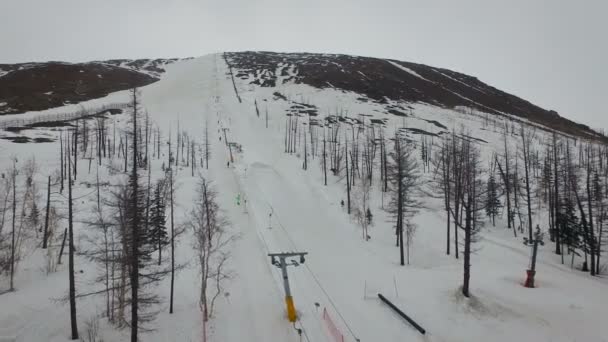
<point x="342" y="274"/>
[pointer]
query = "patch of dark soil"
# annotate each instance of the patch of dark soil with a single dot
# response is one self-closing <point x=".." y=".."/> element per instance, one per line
<point x="19" y="139"/>
<point x="378" y="121"/>
<point x="115" y="111"/>
<point x="396" y="112"/>
<point x="54" y="84"/>
<point x="278" y="95"/>
<point x="436" y="123"/>
<point x="15" y="129"/>
<point x="420" y="131"/>
<point x="473" y="138"/>
<point x="50" y="124"/>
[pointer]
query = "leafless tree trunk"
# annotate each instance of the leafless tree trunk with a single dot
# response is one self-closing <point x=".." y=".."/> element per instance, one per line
<point x="348" y="175"/>
<point x="324" y="159"/>
<point x="73" y="322"/>
<point x="171" y="190"/>
<point x="135" y="225"/>
<point x="46" y="217"/>
<point x="210" y="243"/>
<point x="526" y="139"/>
<point x="556" y="202"/>
<point x="62" y="168"/>
<point x="14" y="184"/>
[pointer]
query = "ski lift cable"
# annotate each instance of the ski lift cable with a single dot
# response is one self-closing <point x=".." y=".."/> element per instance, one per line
<point x="267" y="248"/>
<point x="314" y="276"/>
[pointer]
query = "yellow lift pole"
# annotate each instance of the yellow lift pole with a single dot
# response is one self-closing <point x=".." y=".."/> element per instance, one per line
<point x="280" y="261"/>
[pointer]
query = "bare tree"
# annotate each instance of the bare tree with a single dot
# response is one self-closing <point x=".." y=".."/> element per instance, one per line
<point x="471" y="199"/>
<point x="14" y="217"/>
<point x="73" y="317"/>
<point x="443" y="164"/>
<point x="404" y="180"/>
<point x="211" y="242"/>
<point x="206" y="146"/>
<point x="505" y="174"/>
<point x="527" y="137"/>
<point x="556" y="199"/>
<point x="171" y="193"/>
<point x="362" y="207"/>
<point x="348" y="177"/>
<point x="324" y="159"/>
<point x="46" y="218"/>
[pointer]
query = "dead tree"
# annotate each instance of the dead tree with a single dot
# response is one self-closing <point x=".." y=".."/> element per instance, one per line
<point x="471" y="195"/>
<point x="458" y="174"/>
<point x="348" y="175"/>
<point x="14" y="217"/>
<point x="556" y="201"/>
<point x="324" y="159"/>
<point x="404" y="180"/>
<point x="362" y="207"/>
<point x="192" y="157"/>
<point x="75" y="147"/>
<point x="73" y="321"/>
<point x="211" y="242"/>
<point x="135" y="218"/>
<point x="526" y="139"/>
<point x="62" y="169"/>
<point x="46" y="216"/>
<point x="506" y="178"/>
<point x="443" y="165"/>
<point x="171" y="193"/>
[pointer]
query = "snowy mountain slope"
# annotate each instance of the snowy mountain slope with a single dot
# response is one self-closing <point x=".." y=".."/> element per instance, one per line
<point x="343" y="273"/>
<point x="380" y="80"/>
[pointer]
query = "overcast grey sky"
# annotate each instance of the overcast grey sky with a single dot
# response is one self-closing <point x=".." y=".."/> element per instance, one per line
<point x="550" y="52"/>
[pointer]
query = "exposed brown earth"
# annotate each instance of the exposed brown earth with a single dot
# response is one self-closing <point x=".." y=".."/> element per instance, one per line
<point x="38" y="86"/>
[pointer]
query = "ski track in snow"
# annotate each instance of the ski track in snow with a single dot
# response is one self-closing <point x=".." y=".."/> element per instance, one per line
<point x="409" y="71"/>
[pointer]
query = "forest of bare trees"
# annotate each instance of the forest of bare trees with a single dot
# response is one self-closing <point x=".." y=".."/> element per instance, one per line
<point x="130" y="233"/>
<point x="531" y="180"/>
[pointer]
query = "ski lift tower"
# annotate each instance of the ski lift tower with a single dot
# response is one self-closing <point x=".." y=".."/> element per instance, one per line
<point x="281" y="261"/>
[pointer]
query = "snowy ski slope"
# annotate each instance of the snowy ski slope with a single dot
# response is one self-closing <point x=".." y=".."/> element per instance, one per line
<point x="343" y="273"/>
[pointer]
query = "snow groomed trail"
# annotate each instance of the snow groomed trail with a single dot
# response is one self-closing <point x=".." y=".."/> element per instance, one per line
<point x="334" y="275"/>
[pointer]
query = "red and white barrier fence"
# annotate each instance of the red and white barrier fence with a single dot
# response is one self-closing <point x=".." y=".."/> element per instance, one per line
<point x="331" y="326"/>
